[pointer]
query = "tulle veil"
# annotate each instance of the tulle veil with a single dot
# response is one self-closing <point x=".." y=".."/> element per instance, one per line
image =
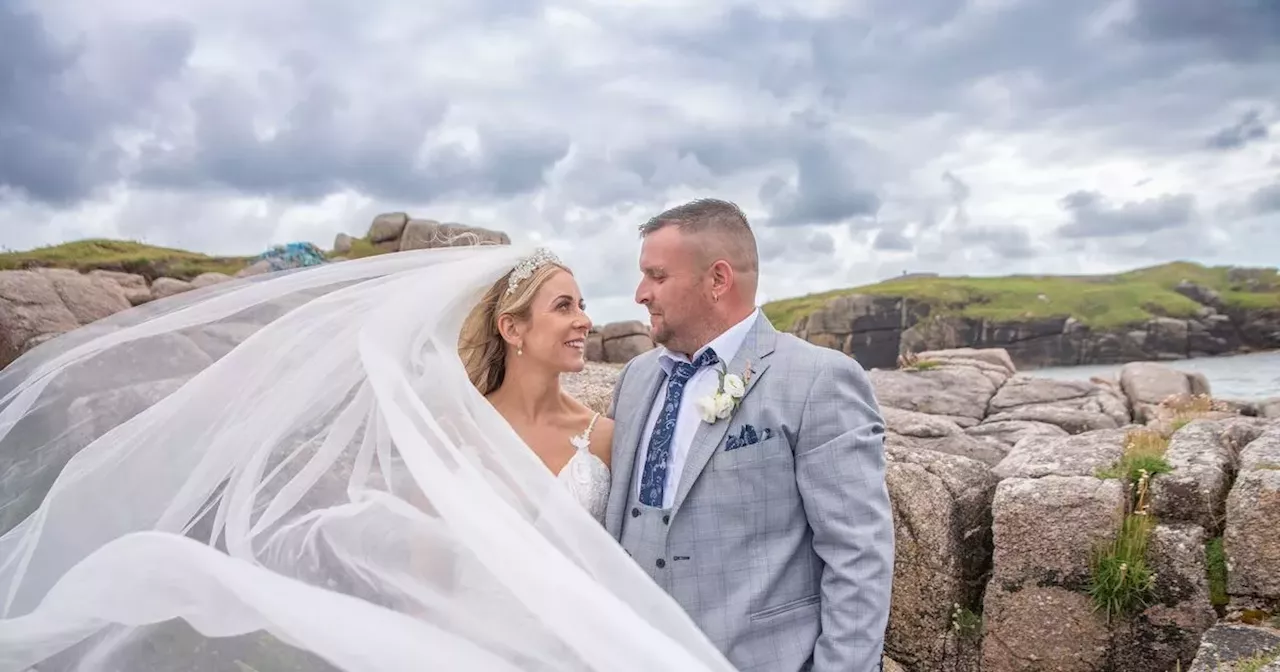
<point x="293" y="472"/>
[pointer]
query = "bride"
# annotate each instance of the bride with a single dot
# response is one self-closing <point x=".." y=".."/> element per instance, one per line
<point x="530" y="327"/>
<point x="344" y="467"/>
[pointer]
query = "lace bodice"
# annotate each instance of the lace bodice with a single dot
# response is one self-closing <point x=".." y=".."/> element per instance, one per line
<point x="585" y="475"/>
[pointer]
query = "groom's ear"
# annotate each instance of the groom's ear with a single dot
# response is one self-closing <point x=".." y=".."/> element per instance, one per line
<point x="721" y="275"/>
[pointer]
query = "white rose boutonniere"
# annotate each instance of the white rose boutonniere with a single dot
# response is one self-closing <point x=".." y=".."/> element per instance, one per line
<point x="721" y="403"/>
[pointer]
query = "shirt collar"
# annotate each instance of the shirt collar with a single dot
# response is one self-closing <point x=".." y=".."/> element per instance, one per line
<point x="726" y="344"/>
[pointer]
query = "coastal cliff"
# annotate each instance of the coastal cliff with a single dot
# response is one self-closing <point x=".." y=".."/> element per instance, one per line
<point x="1173" y="311"/>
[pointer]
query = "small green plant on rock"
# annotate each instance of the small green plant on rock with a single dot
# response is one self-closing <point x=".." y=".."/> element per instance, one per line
<point x="910" y="361"/>
<point x="964" y="622"/>
<point x="1121" y="580"/>
<point x="1143" y="453"/>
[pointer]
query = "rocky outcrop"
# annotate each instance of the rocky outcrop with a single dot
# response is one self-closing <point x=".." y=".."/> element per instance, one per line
<point x="39" y="304"/>
<point x="878" y="329"/>
<point x="398" y="232"/>
<point x="1250" y="539"/>
<point x="1235" y="647"/>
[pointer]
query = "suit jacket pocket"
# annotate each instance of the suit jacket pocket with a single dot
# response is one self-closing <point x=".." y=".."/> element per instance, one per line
<point x="786" y="608"/>
<point x="761" y="450"/>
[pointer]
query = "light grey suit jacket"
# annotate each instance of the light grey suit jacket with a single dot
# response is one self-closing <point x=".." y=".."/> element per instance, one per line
<point x="780" y="550"/>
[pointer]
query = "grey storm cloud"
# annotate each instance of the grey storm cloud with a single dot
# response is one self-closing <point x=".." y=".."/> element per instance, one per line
<point x="824" y="122"/>
<point x="321" y="149"/>
<point x="1244" y="30"/>
<point x="57" y="120"/>
<point x="1092" y="216"/>
<point x="1249" y="128"/>
<point x="1265" y="200"/>
<point x="892" y="240"/>
<point x="1009" y="242"/>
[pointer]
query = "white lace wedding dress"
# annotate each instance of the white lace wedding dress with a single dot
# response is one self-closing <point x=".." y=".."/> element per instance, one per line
<point x="586" y="476"/>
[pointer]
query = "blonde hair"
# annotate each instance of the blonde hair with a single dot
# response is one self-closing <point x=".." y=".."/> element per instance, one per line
<point x="481" y="345"/>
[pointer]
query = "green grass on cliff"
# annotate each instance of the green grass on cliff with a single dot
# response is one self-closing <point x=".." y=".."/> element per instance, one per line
<point x="122" y="255"/>
<point x="150" y="261"/>
<point x="1101" y="302"/>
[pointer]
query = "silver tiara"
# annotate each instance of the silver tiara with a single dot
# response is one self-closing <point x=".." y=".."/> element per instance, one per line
<point x="524" y="270"/>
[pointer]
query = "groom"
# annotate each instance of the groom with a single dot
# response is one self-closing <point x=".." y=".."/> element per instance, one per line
<point x="761" y="508"/>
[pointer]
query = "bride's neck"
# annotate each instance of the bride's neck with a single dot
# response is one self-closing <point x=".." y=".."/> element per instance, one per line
<point x="529" y="391"/>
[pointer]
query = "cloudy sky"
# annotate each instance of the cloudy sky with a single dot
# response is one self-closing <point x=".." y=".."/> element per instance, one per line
<point x="864" y="137"/>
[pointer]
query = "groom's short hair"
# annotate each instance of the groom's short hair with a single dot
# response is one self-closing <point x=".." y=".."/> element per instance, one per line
<point x="722" y="223"/>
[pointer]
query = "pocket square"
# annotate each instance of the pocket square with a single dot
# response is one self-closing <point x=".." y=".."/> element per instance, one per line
<point x="746" y="436"/>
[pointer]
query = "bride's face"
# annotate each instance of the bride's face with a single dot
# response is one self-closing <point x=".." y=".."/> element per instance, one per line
<point x="556" y="332"/>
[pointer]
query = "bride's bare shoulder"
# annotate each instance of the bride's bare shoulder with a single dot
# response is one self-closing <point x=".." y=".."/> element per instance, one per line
<point x="602" y="439"/>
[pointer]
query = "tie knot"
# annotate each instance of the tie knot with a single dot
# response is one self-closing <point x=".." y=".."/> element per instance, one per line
<point x="687" y="369"/>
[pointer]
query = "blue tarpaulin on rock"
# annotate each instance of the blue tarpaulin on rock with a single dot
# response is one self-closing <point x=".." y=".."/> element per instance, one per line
<point x="292" y="255"/>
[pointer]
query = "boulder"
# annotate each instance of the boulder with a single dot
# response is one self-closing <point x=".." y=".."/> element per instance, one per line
<point x="207" y="279"/>
<point x="595" y="346"/>
<point x="1074" y="405"/>
<point x="1084" y="454"/>
<point x="942" y="526"/>
<point x="1010" y="432"/>
<point x="1249" y="539"/>
<point x="1195" y="491"/>
<point x="1035" y="609"/>
<point x="1147" y="384"/>
<point x="31" y="311"/>
<point x="89" y="297"/>
<point x="134" y="286"/>
<point x="622" y="341"/>
<point x="998" y="357"/>
<point x="387" y="227"/>
<point x="960" y="393"/>
<point x="165" y="287"/>
<point x="342" y="243"/>
<point x="1042" y="628"/>
<point x="920" y="431"/>
<point x="421" y="234"/>
<point x="1226" y="644"/>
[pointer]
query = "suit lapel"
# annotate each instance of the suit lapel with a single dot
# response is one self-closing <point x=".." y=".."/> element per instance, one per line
<point x="755" y="350"/>
<point x="639" y="396"/>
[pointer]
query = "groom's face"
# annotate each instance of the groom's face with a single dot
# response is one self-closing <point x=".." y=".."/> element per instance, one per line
<point x="672" y="287"/>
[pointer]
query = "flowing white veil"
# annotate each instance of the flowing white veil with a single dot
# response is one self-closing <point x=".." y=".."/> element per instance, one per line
<point x="293" y="472"/>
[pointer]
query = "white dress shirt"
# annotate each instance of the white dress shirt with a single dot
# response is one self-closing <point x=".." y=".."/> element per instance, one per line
<point x="703" y="383"/>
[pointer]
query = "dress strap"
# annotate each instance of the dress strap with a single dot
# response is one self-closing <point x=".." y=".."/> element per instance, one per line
<point x="583" y="440"/>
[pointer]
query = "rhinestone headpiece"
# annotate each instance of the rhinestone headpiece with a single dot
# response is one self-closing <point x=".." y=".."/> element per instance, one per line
<point x="524" y="270"/>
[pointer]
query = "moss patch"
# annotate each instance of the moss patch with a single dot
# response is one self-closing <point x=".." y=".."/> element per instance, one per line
<point x="1215" y="560"/>
<point x="1100" y="301"/>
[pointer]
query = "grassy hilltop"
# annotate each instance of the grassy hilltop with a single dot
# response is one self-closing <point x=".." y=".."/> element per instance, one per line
<point x="150" y="261"/>
<point x="1099" y="301"/>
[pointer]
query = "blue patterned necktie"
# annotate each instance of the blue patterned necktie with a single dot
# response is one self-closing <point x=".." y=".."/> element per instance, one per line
<point x="654" y="480"/>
